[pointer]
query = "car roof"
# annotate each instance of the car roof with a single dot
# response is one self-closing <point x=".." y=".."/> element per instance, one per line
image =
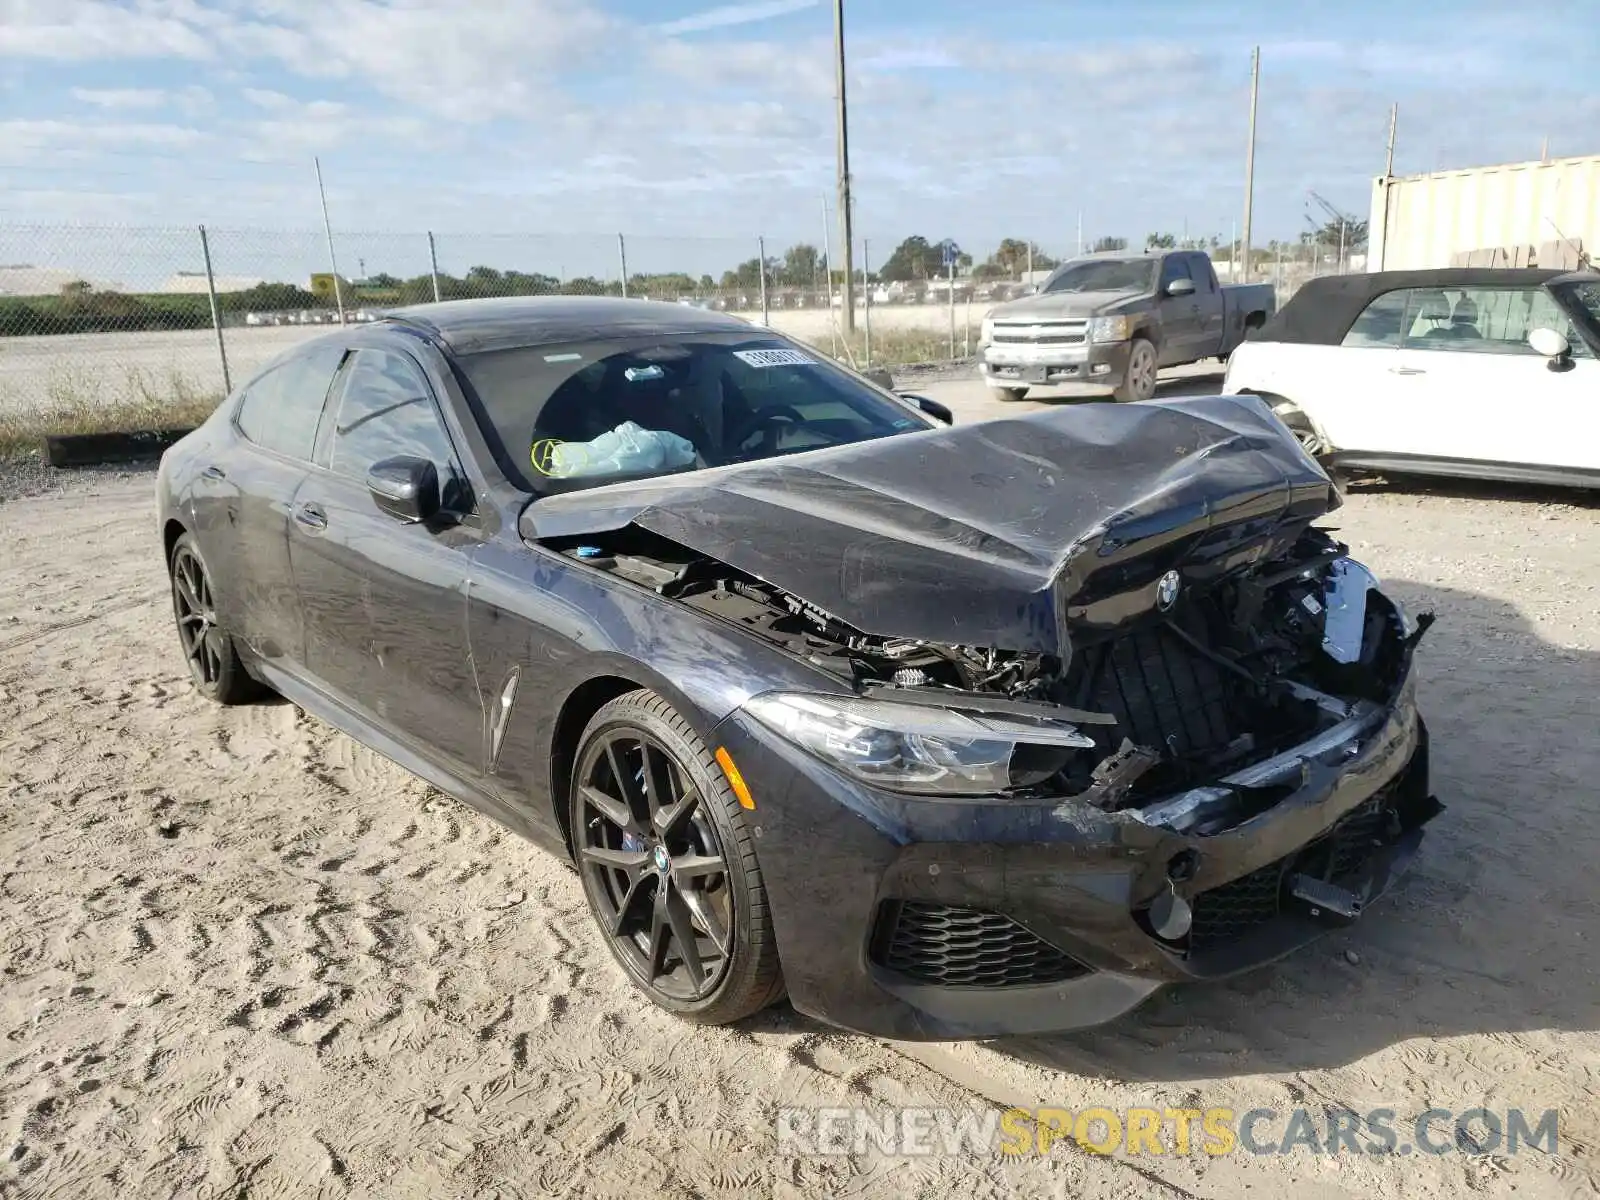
<point x="1322" y="310"/>
<point x="508" y="322"/>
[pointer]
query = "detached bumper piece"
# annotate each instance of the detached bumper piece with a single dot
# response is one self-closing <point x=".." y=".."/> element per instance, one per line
<point x="1329" y="881"/>
<point x="949" y="946"/>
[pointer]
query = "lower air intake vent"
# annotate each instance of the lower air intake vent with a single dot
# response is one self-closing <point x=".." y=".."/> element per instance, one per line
<point x="965" y="947"/>
<point x="1226" y="914"/>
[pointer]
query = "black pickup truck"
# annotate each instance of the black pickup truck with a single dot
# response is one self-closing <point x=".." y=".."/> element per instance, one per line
<point x="1113" y="320"/>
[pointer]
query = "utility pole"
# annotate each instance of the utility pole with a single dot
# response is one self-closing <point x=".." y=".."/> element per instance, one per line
<point x="333" y="260"/>
<point x="761" y="261"/>
<point x="1388" y="162"/>
<point x="846" y="236"/>
<point x="1080" y="233"/>
<point x="866" y="299"/>
<point x="827" y="274"/>
<point x="1250" y="167"/>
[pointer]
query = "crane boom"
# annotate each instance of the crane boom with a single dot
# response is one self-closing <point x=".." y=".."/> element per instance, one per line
<point x="1341" y="217"/>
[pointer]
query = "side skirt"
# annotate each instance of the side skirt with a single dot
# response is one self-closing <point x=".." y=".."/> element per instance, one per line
<point x="329" y="709"/>
<point x="1464" y="468"/>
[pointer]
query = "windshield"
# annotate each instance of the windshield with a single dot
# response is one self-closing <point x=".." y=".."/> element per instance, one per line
<point x="582" y="414"/>
<point x="1583" y="301"/>
<point x="1106" y="275"/>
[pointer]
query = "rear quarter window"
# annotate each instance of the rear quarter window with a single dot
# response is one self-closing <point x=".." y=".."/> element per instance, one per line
<point x="281" y="408"/>
<point x="1381" y="324"/>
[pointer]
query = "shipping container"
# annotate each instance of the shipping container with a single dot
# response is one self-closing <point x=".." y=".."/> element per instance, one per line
<point x="1533" y="213"/>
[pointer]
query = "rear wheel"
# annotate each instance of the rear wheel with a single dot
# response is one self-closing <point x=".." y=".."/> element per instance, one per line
<point x="1009" y="393"/>
<point x="208" y="650"/>
<point x="668" y="864"/>
<point x="1139" y="381"/>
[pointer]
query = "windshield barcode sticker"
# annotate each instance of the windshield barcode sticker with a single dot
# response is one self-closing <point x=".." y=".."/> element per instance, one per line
<point x="775" y="358"/>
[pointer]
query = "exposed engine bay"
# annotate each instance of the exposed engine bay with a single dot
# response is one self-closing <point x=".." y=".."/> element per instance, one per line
<point x="1212" y="678"/>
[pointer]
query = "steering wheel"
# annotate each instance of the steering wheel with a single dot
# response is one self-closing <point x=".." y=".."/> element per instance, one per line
<point x="765" y="418"/>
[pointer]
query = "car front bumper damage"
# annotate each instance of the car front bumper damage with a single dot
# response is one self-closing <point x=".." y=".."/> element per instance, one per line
<point x="1019" y="365"/>
<point x="919" y="920"/>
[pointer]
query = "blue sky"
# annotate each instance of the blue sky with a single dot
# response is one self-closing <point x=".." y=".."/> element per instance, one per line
<point x="694" y="125"/>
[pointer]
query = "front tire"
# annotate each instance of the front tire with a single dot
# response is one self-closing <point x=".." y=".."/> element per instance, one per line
<point x="209" y="651"/>
<point x="1139" y="380"/>
<point x="668" y="864"/>
<point x="1008" y="394"/>
<point x="1312" y="442"/>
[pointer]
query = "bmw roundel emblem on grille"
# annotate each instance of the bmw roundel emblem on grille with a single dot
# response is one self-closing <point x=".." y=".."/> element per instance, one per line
<point x="1167" y="590"/>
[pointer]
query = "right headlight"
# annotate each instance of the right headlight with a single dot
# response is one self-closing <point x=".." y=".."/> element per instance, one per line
<point x="1110" y="329"/>
<point x="986" y="331"/>
<point x="929" y="751"/>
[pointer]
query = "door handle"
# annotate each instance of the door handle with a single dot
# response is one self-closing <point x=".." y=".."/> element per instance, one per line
<point x="311" y="516"/>
<point x="1406" y="371"/>
<point x="214" y="472"/>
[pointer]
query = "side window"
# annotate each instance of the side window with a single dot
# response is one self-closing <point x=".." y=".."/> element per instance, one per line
<point x="1381" y="323"/>
<point x="1490" y="321"/>
<point x="386" y="409"/>
<point x="281" y="408"/>
<point x="1174" y="267"/>
<point x="1205" y="279"/>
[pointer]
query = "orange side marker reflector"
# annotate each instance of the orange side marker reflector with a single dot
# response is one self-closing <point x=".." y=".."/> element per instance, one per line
<point x="735" y="780"/>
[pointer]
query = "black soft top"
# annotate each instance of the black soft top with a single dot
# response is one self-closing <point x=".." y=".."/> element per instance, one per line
<point x="1321" y="312"/>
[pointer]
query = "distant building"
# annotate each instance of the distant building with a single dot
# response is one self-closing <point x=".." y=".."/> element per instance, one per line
<point x="23" y="279"/>
<point x="189" y="283"/>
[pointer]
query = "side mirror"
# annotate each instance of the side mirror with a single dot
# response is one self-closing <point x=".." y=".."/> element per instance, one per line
<point x="881" y="377"/>
<point x="933" y="408"/>
<point x="406" y="488"/>
<point x="1180" y="287"/>
<point x="1552" y="345"/>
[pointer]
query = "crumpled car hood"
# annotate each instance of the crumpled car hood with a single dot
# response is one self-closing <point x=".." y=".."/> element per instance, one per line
<point x="998" y="534"/>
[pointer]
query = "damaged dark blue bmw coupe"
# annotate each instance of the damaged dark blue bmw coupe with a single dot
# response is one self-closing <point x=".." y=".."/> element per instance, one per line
<point x="945" y="731"/>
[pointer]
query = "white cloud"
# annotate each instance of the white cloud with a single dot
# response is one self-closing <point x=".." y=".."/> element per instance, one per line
<point x="729" y="15"/>
<point x="557" y="114"/>
<point x="798" y="69"/>
<point x="96" y="29"/>
<point x="467" y="60"/>
<point x="121" y="98"/>
<point x="265" y="98"/>
<point x="907" y="58"/>
<point x="45" y="138"/>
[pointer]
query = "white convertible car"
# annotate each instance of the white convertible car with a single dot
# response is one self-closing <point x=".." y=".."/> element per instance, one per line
<point x="1481" y="372"/>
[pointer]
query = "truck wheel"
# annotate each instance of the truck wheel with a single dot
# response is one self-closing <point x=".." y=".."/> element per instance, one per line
<point x="1004" y="393"/>
<point x="1139" y="381"/>
<point x="1253" y="324"/>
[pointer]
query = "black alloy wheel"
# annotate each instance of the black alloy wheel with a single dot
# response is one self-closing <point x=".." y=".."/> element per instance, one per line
<point x="208" y="650"/>
<point x="667" y="866"/>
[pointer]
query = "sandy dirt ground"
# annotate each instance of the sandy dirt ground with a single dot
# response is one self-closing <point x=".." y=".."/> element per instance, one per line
<point x="241" y="955"/>
<point x="104" y="368"/>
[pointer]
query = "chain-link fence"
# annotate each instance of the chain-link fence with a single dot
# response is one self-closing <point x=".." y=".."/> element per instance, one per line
<point x="163" y="321"/>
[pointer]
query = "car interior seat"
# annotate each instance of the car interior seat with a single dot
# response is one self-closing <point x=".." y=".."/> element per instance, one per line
<point x="1464" y="319"/>
<point x="1433" y="318"/>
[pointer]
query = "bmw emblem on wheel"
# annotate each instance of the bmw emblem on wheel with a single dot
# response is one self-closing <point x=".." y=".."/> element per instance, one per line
<point x="1167" y="590"/>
